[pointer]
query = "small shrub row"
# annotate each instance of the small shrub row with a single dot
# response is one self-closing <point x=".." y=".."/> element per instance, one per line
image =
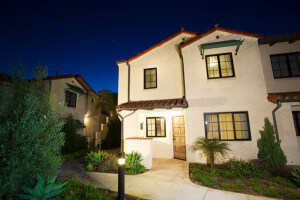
<point x="240" y="168"/>
<point x="133" y="163"/>
<point x="101" y="161"/>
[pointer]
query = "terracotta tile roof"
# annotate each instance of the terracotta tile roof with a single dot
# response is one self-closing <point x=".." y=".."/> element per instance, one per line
<point x="152" y="104"/>
<point x="273" y="97"/>
<point x="271" y="40"/>
<point x="159" y="44"/>
<point x="78" y="77"/>
<point x="216" y="28"/>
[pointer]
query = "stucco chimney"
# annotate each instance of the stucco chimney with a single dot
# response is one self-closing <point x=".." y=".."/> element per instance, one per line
<point x="216" y="25"/>
<point x="56" y="73"/>
<point x="182" y="29"/>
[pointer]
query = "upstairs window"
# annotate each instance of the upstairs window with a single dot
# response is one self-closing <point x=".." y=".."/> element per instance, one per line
<point x="70" y="99"/>
<point x="227" y="126"/>
<point x="219" y="66"/>
<point x="150" y="78"/>
<point x="296" y="116"/>
<point x="286" y="65"/>
<point x="156" y="127"/>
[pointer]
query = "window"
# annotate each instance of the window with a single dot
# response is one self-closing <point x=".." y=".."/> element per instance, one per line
<point x="101" y="127"/>
<point x="70" y="98"/>
<point x="296" y="116"/>
<point x="156" y="127"/>
<point x="286" y="65"/>
<point x="227" y="126"/>
<point x="219" y="66"/>
<point x="150" y="78"/>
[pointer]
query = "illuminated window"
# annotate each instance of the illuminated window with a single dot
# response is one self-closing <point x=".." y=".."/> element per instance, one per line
<point x="107" y="119"/>
<point x="219" y="66"/>
<point x="286" y="65"/>
<point x="296" y="116"/>
<point x="101" y="127"/>
<point x="150" y="78"/>
<point x="227" y="126"/>
<point x="70" y="99"/>
<point x="156" y="127"/>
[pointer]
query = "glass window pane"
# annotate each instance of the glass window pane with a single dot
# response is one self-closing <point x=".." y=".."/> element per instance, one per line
<point x="153" y="71"/>
<point x="147" y="72"/>
<point x="153" y="84"/>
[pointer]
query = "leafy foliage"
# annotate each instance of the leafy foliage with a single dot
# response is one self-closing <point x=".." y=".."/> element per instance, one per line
<point x="66" y="157"/>
<point x="133" y="163"/>
<point x="241" y="168"/>
<point x="107" y="100"/>
<point x="211" y="148"/>
<point x="74" y="141"/>
<point x="43" y="190"/>
<point x="30" y="132"/>
<point x="204" y="178"/>
<point x="95" y="158"/>
<point x="110" y="164"/>
<point x="113" y="137"/>
<point x="90" y="167"/>
<point x="296" y="175"/>
<point x="78" y="191"/>
<point x="270" y="152"/>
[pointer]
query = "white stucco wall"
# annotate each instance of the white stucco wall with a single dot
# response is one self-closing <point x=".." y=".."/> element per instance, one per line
<point x="169" y="80"/>
<point x="244" y="92"/>
<point x="289" y="84"/>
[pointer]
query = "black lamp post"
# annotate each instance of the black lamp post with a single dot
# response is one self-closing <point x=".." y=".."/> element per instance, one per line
<point x="121" y="177"/>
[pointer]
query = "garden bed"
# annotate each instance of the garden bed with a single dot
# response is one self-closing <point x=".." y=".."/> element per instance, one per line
<point x="248" y="180"/>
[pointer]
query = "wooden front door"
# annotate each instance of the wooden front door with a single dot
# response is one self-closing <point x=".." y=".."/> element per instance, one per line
<point x="179" y="138"/>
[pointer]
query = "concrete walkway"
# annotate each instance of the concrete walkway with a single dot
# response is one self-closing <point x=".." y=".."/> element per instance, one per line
<point x="168" y="179"/>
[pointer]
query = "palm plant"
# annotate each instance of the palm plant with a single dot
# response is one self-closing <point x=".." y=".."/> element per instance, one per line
<point x="210" y="147"/>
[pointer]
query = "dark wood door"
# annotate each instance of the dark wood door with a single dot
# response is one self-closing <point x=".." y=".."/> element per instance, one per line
<point x="179" y="138"/>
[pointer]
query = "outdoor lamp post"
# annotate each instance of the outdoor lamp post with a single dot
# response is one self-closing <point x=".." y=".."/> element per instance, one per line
<point x="121" y="176"/>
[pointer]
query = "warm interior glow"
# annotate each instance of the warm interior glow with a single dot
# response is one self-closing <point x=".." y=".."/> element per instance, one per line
<point x="121" y="161"/>
<point x="85" y="119"/>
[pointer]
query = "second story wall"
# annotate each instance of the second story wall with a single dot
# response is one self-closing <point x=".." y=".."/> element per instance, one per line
<point x="285" y="84"/>
<point x="166" y="64"/>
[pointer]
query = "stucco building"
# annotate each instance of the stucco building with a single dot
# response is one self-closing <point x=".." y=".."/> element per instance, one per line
<point x="218" y="84"/>
<point x="81" y="100"/>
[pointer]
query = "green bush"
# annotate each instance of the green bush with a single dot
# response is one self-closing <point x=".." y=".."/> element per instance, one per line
<point x="224" y="185"/>
<point x="133" y="163"/>
<point x="110" y="164"/>
<point x="283" y="181"/>
<point x="74" y="141"/>
<point x="265" y="191"/>
<point x="270" y="152"/>
<point x="67" y="157"/>
<point x="242" y="168"/>
<point x="30" y="132"/>
<point x="95" y="158"/>
<point x="289" y="194"/>
<point x="90" y="167"/>
<point x="238" y="187"/>
<point x="204" y="178"/>
<point x="113" y="137"/>
<point x="81" y="153"/>
<point x="78" y="191"/>
<point x="43" y="190"/>
<point x="253" y="181"/>
<point x="296" y="176"/>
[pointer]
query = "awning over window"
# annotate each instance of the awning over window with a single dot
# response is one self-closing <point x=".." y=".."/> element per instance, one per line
<point x="227" y="43"/>
<point x="79" y="124"/>
<point x="75" y="89"/>
<point x="214" y="45"/>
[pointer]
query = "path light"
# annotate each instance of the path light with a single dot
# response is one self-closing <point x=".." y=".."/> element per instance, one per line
<point x="121" y="176"/>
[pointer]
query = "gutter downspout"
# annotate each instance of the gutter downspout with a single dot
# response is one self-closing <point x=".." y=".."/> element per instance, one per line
<point x="122" y="127"/>
<point x="128" y="95"/>
<point x="182" y="67"/>
<point x="279" y="104"/>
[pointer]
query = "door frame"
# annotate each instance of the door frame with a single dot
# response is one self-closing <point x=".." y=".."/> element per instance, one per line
<point x="184" y="138"/>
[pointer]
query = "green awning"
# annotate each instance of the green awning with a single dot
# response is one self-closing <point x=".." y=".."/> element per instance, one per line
<point x="75" y="89"/>
<point x="227" y="43"/>
<point x="79" y="124"/>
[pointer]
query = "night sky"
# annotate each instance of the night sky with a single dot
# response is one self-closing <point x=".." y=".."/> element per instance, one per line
<point x="87" y="37"/>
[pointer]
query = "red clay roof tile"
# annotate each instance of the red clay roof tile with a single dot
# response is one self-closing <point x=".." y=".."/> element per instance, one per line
<point x="273" y="97"/>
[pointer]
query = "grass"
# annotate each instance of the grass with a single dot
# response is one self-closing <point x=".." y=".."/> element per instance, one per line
<point x="237" y="178"/>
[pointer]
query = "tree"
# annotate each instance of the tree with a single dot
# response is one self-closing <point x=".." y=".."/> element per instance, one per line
<point x="73" y="141"/>
<point x="210" y="147"/>
<point x="107" y="100"/>
<point x="270" y="152"/>
<point x="30" y="132"/>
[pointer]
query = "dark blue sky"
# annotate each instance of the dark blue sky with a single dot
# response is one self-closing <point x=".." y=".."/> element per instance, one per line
<point x="87" y="37"/>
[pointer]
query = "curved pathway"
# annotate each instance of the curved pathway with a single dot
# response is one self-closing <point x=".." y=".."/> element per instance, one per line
<point x="168" y="179"/>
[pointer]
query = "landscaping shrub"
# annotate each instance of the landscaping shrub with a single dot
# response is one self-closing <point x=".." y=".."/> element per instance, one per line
<point x="133" y="163"/>
<point x="265" y="191"/>
<point x="30" y="132"/>
<point x="238" y="187"/>
<point x="78" y="191"/>
<point x="113" y="137"/>
<point x="43" y="190"/>
<point x="204" y="178"/>
<point x="110" y="164"/>
<point x="296" y="176"/>
<point x="81" y="153"/>
<point x="95" y="158"/>
<point x="289" y="194"/>
<point x="73" y="141"/>
<point x="270" y="152"/>
<point x="210" y="147"/>
<point x="240" y="168"/>
<point x="283" y="181"/>
<point x="90" y="167"/>
<point x="66" y="157"/>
